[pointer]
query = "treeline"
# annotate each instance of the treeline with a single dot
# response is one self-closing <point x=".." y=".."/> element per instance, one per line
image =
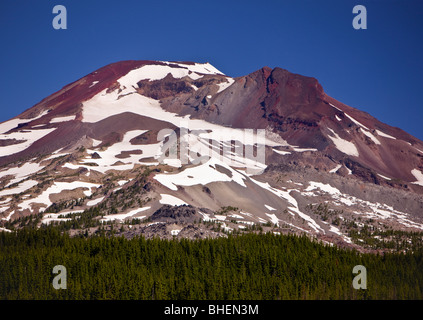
<point x="249" y="266"/>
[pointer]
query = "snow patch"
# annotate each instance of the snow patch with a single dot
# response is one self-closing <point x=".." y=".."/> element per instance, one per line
<point x="419" y="176"/>
<point x="380" y="133"/>
<point x="324" y="187"/>
<point x="175" y="232"/>
<point x="224" y="85"/>
<point x="281" y="152"/>
<point x="273" y="218"/>
<point x="62" y="119"/>
<point x="304" y="149"/>
<point x="356" y="122"/>
<point x="335" y="169"/>
<point x="335" y="107"/>
<point x="8" y="217"/>
<point x="93" y="84"/>
<point x="269" y="207"/>
<point x="48" y="218"/>
<point x="96" y="143"/>
<point x="171" y="200"/>
<point x="338" y="232"/>
<point x="94" y="202"/>
<point x="123" y="216"/>
<point x="418" y="150"/>
<point x="342" y="145"/>
<point x="371" y="136"/>
<point x="206" y="217"/>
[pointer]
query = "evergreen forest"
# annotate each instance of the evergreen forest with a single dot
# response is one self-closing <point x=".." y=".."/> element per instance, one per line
<point x="249" y="266"/>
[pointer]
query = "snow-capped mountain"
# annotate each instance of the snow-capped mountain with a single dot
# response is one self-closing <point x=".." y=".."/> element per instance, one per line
<point x="268" y="151"/>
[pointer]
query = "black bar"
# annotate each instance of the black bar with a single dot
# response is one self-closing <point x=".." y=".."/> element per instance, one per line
<point x="209" y="309"/>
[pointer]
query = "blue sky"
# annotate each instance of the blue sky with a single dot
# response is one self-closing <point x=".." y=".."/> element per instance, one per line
<point x="378" y="70"/>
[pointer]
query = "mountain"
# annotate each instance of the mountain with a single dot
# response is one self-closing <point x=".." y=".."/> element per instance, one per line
<point x="179" y="149"/>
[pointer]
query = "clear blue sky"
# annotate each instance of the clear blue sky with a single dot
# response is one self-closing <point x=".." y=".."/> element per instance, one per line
<point x="378" y="70"/>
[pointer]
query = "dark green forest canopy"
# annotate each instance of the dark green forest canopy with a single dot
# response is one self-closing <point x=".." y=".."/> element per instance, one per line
<point x="249" y="266"/>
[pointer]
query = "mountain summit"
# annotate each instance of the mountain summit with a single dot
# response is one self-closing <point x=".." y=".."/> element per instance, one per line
<point x="181" y="149"/>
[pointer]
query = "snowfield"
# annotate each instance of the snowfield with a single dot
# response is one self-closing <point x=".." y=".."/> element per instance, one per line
<point x="158" y="72"/>
<point x="109" y="161"/>
<point x="230" y="161"/>
<point x="13" y="123"/>
<point x="104" y="105"/>
<point x="108" y="157"/>
<point x="27" y="138"/>
<point x="57" y="187"/>
<point x="20" y="173"/>
<point x="27" y="184"/>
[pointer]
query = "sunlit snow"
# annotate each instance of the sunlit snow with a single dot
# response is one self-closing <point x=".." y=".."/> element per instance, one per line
<point x="343" y="145"/>
<point x="419" y="176"/>
<point x="123" y="216"/>
<point x="171" y="200"/>
<point x="380" y="133"/>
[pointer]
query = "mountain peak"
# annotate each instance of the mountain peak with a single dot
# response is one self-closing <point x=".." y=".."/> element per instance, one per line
<point x="110" y="129"/>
